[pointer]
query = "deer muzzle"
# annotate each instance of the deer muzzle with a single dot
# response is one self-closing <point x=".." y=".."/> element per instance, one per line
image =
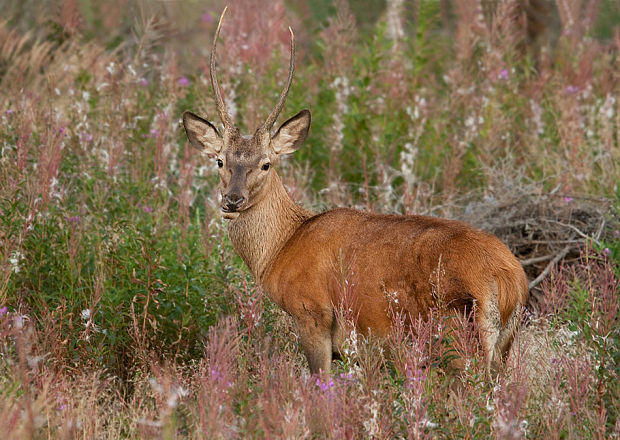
<point x="232" y="202"/>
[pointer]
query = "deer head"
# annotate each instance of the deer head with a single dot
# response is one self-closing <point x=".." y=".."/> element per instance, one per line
<point x="245" y="161"/>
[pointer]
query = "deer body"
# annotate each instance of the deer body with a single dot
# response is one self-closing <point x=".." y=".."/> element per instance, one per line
<point x="392" y="263"/>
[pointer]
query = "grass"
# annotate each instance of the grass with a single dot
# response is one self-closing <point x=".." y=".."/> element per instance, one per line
<point x="124" y="311"/>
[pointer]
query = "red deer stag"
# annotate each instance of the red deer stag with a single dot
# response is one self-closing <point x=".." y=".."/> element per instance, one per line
<point x="292" y="253"/>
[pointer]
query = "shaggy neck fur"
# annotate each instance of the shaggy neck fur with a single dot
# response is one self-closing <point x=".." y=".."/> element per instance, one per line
<point x="259" y="232"/>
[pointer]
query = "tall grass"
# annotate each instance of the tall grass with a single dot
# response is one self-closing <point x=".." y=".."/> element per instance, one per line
<point x="124" y="311"/>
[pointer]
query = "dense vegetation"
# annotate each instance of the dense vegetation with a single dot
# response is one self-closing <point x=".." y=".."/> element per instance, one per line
<point x="124" y="311"/>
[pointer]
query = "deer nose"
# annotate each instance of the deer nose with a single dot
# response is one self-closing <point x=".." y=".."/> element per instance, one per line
<point x="233" y="201"/>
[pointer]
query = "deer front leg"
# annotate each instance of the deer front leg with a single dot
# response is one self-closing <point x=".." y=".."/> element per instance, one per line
<point x="315" y="337"/>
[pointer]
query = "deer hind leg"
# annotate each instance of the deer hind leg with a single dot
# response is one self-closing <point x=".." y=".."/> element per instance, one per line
<point x="507" y="333"/>
<point x="489" y="327"/>
<point x="338" y="336"/>
<point x="316" y="340"/>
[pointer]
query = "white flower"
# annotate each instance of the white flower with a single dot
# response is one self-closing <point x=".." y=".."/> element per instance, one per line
<point x="33" y="361"/>
<point x="428" y="424"/>
<point x="175" y="394"/>
<point x="14" y="260"/>
<point x="19" y="322"/>
<point x="155" y="385"/>
<point x="372" y="425"/>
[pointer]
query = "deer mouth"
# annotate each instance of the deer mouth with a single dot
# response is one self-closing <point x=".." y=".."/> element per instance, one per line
<point x="230" y="214"/>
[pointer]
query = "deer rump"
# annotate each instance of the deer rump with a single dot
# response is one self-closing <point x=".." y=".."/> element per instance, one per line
<point x="392" y="263"/>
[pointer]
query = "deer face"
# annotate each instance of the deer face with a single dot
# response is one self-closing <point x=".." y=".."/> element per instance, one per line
<point x="245" y="162"/>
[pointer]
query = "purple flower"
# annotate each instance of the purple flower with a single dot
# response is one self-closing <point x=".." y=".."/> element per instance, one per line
<point x="86" y="137"/>
<point x="215" y="375"/>
<point x="62" y="407"/>
<point x="3" y="310"/>
<point x="324" y="386"/>
<point x="503" y="74"/>
<point x="152" y="134"/>
<point x="207" y="17"/>
<point x="183" y="81"/>
<point x="346" y="376"/>
<point x="616" y="233"/>
<point x="61" y="130"/>
<point x="143" y="82"/>
<point x="572" y="89"/>
<point x="147" y="209"/>
<point x="75" y="219"/>
<point x="417" y="376"/>
<point x="9" y="111"/>
<point x="606" y="252"/>
<point x="568" y="199"/>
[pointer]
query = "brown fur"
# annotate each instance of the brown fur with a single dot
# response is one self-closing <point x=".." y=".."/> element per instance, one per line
<point x="387" y="254"/>
<point x="295" y="254"/>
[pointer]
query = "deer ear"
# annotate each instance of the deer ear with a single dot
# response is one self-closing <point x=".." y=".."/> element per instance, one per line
<point x="292" y="134"/>
<point x="202" y="134"/>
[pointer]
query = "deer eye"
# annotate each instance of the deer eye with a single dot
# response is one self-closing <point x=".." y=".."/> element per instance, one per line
<point x="220" y="163"/>
<point x="266" y="166"/>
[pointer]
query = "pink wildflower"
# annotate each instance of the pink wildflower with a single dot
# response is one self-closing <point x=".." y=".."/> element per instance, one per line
<point x="207" y="17"/>
<point x="325" y="386"/>
<point x="571" y="90"/>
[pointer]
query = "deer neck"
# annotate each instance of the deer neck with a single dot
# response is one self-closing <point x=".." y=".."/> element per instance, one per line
<point x="259" y="232"/>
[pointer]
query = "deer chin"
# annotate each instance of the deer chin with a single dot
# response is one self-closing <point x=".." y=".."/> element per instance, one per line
<point x="230" y="215"/>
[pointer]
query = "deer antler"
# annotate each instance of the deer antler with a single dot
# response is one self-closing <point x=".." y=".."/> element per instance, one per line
<point x="221" y="106"/>
<point x="271" y="119"/>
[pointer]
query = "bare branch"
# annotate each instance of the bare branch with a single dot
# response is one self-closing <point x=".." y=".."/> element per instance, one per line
<point x="535" y="260"/>
<point x="586" y="236"/>
<point x="550" y="266"/>
<point x="600" y="229"/>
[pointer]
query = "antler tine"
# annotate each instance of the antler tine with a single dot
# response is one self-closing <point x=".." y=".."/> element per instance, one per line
<point x="221" y="106"/>
<point x="271" y="119"/>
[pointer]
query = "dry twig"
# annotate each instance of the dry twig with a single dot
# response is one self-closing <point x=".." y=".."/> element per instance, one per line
<point x="550" y="266"/>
